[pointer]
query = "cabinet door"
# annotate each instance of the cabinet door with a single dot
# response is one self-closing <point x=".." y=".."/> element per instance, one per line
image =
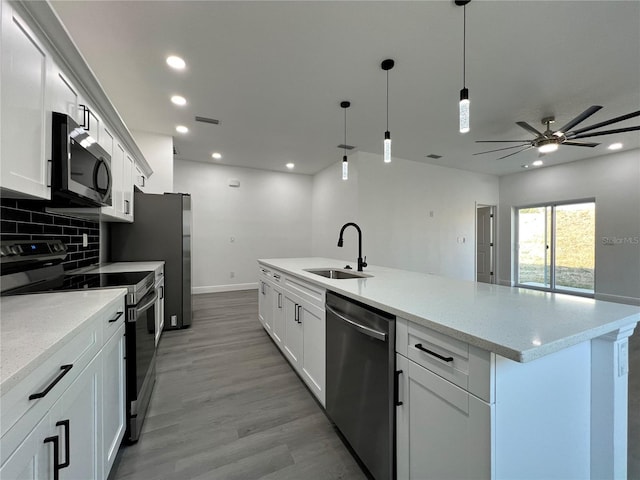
<point x="76" y="418"/>
<point x="140" y="179"/>
<point x="313" y="349"/>
<point x="113" y="400"/>
<point x="265" y="308"/>
<point x="127" y="186"/>
<point x="292" y="332"/>
<point x="443" y="432"/>
<point x="33" y="459"/>
<point x="25" y="138"/>
<point x="64" y="97"/>
<point x="277" y="330"/>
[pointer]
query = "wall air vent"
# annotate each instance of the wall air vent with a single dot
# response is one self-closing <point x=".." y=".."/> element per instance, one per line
<point x="342" y="146"/>
<point x="208" y="120"/>
<point x="434" y="156"/>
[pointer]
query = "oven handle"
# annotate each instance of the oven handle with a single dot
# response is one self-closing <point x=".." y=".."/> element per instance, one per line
<point x="146" y="304"/>
<point x="361" y="328"/>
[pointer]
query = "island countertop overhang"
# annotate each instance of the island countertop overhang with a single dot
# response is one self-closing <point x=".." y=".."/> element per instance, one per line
<point x="516" y="323"/>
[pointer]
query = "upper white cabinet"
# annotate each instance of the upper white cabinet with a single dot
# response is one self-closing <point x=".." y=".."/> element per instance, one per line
<point x="64" y="96"/>
<point x="25" y="129"/>
<point x="140" y="179"/>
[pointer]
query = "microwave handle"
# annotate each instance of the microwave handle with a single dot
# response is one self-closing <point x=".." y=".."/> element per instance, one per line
<point x="107" y="191"/>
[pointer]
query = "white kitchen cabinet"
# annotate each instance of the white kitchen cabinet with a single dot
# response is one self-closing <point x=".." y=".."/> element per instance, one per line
<point x="89" y="120"/>
<point x="25" y="137"/>
<point x="113" y="398"/>
<point x="64" y="96"/>
<point x="140" y="179"/>
<point x="443" y="432"/>
<point x="265" y="299"/>
<point x="277" y="327"/>
<point x="127" y="186"/>
<point x="293" y="341"/>
<point x="78" y="408"/>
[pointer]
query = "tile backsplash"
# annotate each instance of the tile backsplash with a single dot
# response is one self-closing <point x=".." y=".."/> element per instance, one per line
<point x="27" y="220"/>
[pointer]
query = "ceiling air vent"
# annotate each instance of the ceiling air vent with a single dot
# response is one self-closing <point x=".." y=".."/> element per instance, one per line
<point x="434" y="156"/>
<point x="208" y="120"/>
<point x="342" y="146"/>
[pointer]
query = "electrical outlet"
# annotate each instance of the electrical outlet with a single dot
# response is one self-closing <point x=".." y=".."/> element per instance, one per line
<point x="85" y="240"/>
<point x="174" y="320"/>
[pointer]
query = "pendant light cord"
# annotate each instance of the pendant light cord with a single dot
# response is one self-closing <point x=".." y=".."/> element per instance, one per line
<point x="387" y="100"/>
<point x="464" y="46"/>
<point x="345" y="132"/>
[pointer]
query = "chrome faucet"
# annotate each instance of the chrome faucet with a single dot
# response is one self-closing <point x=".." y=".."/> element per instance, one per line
<point x="361" y="263"/>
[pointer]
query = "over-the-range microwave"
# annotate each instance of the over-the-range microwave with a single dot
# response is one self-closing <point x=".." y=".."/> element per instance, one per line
<point x="81" y="169"/>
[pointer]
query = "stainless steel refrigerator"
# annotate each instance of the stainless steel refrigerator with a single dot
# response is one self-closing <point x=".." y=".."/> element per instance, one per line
<point x="161" y="230"/>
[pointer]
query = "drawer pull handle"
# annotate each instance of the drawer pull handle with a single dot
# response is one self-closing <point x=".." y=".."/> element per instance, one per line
<point x="437" y="355"/>
<point x="276" y="276"/>
<point x="56" y="453"/>
<point x="65" y="369"/>
<point x="67" y="442"/>
<point x="115" y="319"/>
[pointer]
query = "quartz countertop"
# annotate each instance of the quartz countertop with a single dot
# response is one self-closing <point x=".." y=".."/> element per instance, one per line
<point x="119" y="267"/>
<point x="32" y="327"/>
<point x="516" y="323"/>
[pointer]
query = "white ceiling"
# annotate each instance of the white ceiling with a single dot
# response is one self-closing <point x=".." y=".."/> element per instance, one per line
<point x="274" y="74"/>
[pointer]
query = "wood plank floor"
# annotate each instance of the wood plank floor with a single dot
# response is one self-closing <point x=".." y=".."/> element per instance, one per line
<point x="227" y="405"/>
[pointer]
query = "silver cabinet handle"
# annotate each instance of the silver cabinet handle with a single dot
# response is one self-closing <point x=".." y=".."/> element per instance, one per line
<point x="299" y="308"/>
<point x="276" y="276"/>
<point x="279" y="300"/>
<point x="361" y="328"/>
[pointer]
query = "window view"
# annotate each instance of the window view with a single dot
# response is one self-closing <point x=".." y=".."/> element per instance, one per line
<point x="556" y="247"/>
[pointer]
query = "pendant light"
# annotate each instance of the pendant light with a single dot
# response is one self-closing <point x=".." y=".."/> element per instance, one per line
<point x="464" y="93"/>
<point x="345" y="164"/>
<point x="387" y="65"/>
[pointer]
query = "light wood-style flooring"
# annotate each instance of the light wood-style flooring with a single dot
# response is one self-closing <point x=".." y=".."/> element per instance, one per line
<point x="227" y="405"/>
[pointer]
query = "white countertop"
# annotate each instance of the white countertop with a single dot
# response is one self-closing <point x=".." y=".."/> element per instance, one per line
<point x="517" y="323"/>
<point x="34" y="326"/>
<point x="119" y="267"/>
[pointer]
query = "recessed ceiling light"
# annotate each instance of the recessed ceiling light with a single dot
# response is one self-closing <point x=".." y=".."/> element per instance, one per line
<point x="615" y="146"/>
<point x="178" y="100"/>
<point x="537" y="163"/>
<point x="181" y="129"/>
<point x="176" y="62"/>
<point x="290" y="165"/>
<point x="524" y="166"/>
<point x="216" y="155"/>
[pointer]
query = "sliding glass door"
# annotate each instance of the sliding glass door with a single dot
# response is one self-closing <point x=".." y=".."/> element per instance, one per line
<point x="556" y="247"/>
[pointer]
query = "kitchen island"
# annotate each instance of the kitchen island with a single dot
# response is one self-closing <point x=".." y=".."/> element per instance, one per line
<point x="552" y="398"/>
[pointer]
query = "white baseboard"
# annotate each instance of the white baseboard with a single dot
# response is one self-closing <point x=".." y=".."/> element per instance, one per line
<point x="617" y="298"/>
<point x="224" y="288"/>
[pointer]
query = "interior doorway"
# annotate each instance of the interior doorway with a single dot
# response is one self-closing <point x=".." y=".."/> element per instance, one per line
<point x="485" y="244"/>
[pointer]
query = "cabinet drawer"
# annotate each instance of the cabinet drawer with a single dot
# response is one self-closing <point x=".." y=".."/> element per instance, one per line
<point x="22" y="413"/>
<point x="464" y="365"/>
<point x="306" y="292"/>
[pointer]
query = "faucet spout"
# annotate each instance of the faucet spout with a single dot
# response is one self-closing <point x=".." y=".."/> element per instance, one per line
<point x="361" y="263"/>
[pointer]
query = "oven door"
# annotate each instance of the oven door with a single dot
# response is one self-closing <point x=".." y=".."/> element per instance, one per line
<point x="141" y="358"/>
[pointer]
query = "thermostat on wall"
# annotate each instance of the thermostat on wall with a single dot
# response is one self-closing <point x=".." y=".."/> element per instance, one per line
<point x="234" y="182"/>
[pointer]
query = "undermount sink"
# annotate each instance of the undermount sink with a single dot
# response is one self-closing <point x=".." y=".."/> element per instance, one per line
<point x="336" y="273"/>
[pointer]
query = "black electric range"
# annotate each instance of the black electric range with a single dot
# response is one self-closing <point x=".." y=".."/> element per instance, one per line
<point x="32" y="267"/>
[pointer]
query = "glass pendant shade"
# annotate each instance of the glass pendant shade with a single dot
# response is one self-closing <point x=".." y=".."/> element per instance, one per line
<point x="464" y="110"/>
<point x="345" y="168"/>
<point x="387" y="147"/>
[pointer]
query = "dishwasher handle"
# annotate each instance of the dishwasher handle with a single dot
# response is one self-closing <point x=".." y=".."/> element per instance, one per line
<point x="361" y="328"/>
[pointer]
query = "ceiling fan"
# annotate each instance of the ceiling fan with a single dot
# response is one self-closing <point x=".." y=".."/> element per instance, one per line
<point x="549" y="140"/>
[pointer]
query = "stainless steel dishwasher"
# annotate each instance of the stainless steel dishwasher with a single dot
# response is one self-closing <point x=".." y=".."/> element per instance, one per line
<point x="361" y="382"/>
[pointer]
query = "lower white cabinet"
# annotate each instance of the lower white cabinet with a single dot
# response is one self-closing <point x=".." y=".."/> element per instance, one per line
<point x="78" y="428"/>
<point x="443" y="431"/>
<point x="292" y="312"/>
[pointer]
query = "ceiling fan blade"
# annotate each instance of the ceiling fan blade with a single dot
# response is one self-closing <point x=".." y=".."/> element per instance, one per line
<point x="606" y="132"/>
<point x="529" y="128"/>
<point x="526" y="148"/>
<point x="580" y="118"/>
<point x="500" y="149"/>
<point x="581" y="144"/>
<point x="605" y="123"/>
<point x="503" y="141"/>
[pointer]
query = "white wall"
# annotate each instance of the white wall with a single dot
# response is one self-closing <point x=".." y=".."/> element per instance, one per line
<point x="268" y="216"/>
<point x="392" y="204"/>
<point x="614" y="181"/>
<point x="158" y="151"/>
